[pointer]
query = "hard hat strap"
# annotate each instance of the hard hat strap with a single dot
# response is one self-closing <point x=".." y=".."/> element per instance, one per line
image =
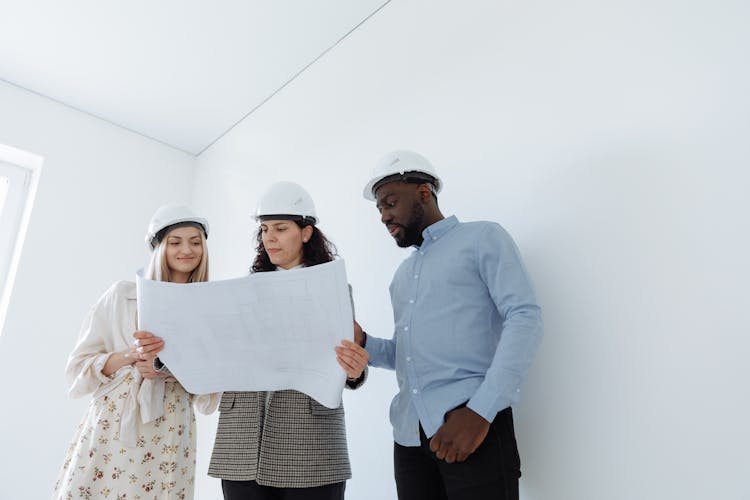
<point x="301" y="220"/>
<point x="413" y="177"/>
<point x="163" y="232"/>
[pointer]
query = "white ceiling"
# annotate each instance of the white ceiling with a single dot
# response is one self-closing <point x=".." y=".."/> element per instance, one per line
<point x="182" y="72"/>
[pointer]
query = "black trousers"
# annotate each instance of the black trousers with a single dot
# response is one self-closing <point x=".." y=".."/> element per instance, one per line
<point x="250" y="490"/>
<point x="491" y="472"/>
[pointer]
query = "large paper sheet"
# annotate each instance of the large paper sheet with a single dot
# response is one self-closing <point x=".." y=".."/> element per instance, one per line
<point x="263" y="332"/>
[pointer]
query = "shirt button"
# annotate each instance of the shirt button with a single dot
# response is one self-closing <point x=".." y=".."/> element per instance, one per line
<point x="421" y="253"/>
<point x="416" y="276"/>
<point x="411" y="301"/>
<point x="406" y="328"/>
<point x="414" y="391"/>
<point x="408" y="358"/>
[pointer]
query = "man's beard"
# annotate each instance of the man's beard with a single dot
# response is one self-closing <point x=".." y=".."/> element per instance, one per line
<point x="412" y="233"/>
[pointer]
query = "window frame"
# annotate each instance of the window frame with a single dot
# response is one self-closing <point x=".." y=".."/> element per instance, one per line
<point x="23" y="170"/>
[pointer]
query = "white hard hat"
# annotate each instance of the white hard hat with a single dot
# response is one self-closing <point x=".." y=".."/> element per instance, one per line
<point x="399" y="164"/>
<point x="286" y="200"/>
<point x="169" y="215"/>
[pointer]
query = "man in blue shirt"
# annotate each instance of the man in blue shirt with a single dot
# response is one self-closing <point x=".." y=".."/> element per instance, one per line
<point x="467" y="326"/>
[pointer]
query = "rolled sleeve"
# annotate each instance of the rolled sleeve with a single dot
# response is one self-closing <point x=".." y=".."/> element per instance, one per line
<point x="84" y="368"/>
<point x="207" y="403"/>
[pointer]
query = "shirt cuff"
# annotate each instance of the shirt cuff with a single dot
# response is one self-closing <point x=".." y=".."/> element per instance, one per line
<point x="378" y="353"/>
<point x="98" y="366"/>
<point x="161" y="367"/>
<point x="487" y="403"/>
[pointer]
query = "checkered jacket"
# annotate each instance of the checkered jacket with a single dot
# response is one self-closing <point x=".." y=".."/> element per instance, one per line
<point x="289" y="441"/>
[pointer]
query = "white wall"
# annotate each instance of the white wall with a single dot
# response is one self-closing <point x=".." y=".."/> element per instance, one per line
<point x="611" y="139"/>
<point x="98" y="188"/>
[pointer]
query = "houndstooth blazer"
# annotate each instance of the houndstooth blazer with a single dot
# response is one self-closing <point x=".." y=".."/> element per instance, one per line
<point x="289" y="441"/>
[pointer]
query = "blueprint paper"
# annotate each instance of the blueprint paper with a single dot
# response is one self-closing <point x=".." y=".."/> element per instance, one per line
<point x="263" y="332"/>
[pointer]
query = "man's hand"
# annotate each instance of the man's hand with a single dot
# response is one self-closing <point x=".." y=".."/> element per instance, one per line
<point x="460" y="435"/>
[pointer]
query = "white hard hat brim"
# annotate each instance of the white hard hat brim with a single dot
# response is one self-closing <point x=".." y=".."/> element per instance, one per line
<point x="198" y="221"/>
<point x="400" y="163"/>
<point x="169" y="215"/>
<point x="286" y="199"/>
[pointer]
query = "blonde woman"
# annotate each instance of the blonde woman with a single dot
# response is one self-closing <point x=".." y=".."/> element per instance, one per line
<point x="137" y="438"/>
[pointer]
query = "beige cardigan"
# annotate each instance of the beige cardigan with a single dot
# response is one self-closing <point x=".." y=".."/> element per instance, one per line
<point x="108" y="328"/>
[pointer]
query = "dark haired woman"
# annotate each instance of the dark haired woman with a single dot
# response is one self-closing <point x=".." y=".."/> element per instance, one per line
<point x="284" y="444"/>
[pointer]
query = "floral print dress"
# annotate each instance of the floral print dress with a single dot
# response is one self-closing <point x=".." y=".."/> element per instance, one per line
<point x="137" y="439"/>
<point x="160" y="466"/>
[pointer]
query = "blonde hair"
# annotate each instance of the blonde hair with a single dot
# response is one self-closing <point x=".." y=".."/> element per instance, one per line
<point x="158" y="270"/>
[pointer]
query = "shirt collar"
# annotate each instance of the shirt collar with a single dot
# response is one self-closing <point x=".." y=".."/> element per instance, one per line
<point x="439" y="228"/>
<point x="298" y="266"/>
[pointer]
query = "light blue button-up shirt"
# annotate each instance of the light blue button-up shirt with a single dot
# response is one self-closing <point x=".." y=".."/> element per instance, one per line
<point x="466" y="327"/>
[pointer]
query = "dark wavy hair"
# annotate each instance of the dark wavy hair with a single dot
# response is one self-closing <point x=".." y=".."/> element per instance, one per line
<point x="317" y="250"/>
